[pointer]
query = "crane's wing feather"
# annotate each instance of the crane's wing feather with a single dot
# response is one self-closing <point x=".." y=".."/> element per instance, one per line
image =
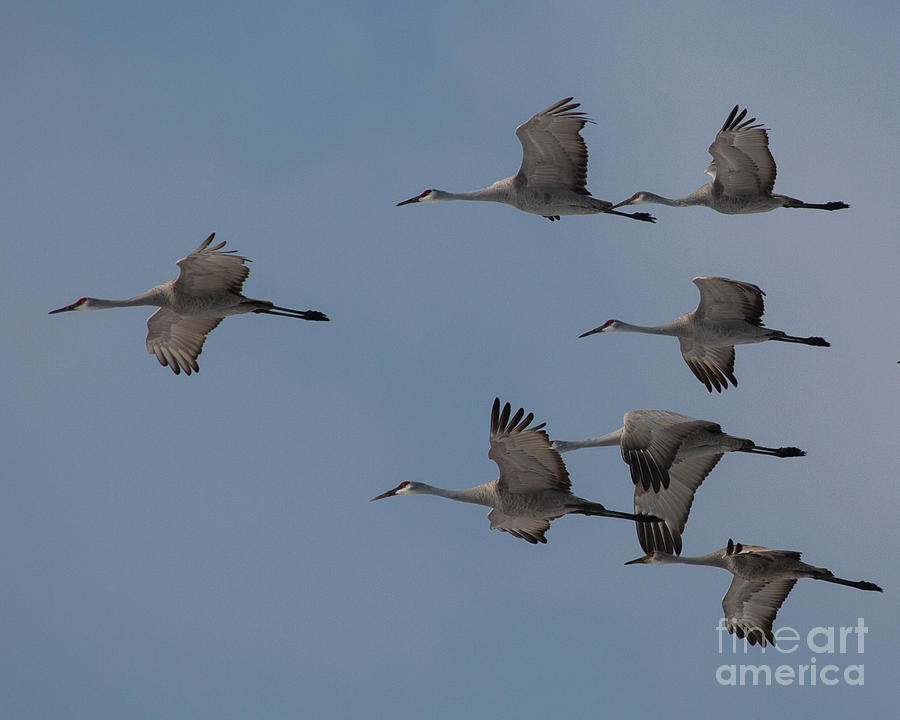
<point x="742" y="162"/>
<point x="553" y="150"/>
<point x="712" y="365"/>
<point x="673" y="503"/>
<point x="750" y="607"/>
<point x="658" y="419"/>
<point x="651" y="442"/>
<point x="177" y="340"/>
<point x="723" y="299"/>
<point x="527" y="528"/>
<point x="527" y="462"/>
<point x="211" y="269"/>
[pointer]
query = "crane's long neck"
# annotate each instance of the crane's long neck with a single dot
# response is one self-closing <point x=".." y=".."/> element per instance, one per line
<point x="479" y="495"/>
<point x="497" y="192"/>
<point x="713" y="559"/>
<point x="668" y="329"/>
<point x="613" y="438"/>
<point x="156" y="296"/>
<point x="698" y="197"/>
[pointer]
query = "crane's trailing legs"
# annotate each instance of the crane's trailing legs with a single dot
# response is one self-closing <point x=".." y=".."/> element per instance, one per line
<point x="794" y="203"/>
<point x="827" y="576"/>
<point x="299" y="314"/>
<point x="592" y="508"/>
<point x="645" y="217"/>
<point x="781" y="452"/>
<point x="815" y="340"/>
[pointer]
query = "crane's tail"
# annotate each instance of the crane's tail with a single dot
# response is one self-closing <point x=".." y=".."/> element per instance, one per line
<point x="592" y="508"/>
<point x="782" y="452"/>
<point x="299" y="314"/>
<point x="784" y="337"/>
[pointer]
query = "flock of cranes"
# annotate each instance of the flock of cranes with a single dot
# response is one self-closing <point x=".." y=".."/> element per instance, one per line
<point x="552" y="178"/>
<point x="533" y="487"/>
<point x="669" y="455"/>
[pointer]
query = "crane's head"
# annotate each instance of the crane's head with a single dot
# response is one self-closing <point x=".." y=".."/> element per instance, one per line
<point x="80" y="304"/>
<point x="430" y="195"/>
<point x="639" y="198"/>
<point x="404" y="488"/>
<point x="608" y="326"/>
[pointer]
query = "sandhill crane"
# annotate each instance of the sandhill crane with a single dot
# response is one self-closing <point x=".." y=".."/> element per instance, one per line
<point x="533" y="488"/>
<point x="743" y="173"/>
<point x="762" y="580"/>
<point x="551" y="180"/>
<point x="729" y="314"/>
<point x="207" y="289"/>
<point x="669" y="456"/>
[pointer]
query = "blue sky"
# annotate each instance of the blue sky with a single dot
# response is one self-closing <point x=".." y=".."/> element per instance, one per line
<point x="204" y="546"/>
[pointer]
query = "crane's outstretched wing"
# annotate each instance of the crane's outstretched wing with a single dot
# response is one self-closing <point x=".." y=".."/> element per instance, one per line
<point x="176" y="340"/>
<point x="742" y="163"/>
<point x="527" y="462"/>
<point x="721" y="300"/>
<point x="672" y="503"/>
<point x="553" y="151"/>
<point x="527" y="528"/>
<point x="651" y="441"/>
<point x="210" y="269"/>
<point x="713" y="365"/>
<point x="725" y="299"/>
<point x="750" y="607"/>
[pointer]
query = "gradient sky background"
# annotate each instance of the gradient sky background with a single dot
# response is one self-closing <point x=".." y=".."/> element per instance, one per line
<point x="204" y="546"/>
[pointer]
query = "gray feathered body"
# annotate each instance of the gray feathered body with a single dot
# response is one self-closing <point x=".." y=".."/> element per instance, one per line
<point x="719" y="333"/>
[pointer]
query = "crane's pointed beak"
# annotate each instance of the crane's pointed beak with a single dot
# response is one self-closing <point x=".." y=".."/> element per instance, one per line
<point x="63" y="309"/>
<point x="625" y="202"/>
<point x="644" y="559"/>
<point x="407" y="202"/>
<point x="389" y="493"/>
<point x="601" y="328"/>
